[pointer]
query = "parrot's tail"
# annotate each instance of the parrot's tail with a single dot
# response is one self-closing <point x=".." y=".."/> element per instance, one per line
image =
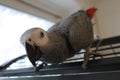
<point x="91" y="12"/>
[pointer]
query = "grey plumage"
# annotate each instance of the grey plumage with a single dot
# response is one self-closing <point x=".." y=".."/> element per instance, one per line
<point x="61" y="41"/>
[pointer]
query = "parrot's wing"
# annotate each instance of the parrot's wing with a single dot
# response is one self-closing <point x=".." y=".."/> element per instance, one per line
<point x="78" y="29"/>
<point x="80" y="32"/>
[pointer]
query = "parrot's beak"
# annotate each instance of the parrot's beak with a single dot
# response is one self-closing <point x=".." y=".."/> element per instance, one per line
<point x="33" y="52"/>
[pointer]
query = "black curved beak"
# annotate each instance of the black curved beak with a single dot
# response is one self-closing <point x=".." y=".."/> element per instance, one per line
<point x="34" y="53"/>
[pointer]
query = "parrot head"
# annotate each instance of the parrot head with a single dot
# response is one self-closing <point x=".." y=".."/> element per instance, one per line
<point x="32" y="40"/>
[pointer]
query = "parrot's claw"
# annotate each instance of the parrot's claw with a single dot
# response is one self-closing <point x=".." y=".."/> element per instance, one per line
<point x="97" y="55"/>
<point x="40" y="67"/>
<point x="84" y="66"/>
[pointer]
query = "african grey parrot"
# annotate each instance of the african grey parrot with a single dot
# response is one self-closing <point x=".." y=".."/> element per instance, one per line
<point x="62" y="41"/>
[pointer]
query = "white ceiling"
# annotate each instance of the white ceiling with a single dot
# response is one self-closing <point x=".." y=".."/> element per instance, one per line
<point x="53" y="10"/>
<point x="57" y="7"/>
<point x="67" y="5"/>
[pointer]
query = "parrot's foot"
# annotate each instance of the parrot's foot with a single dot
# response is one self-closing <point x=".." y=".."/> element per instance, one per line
<point x="40" y="67"/>
<point x="97" y="55"/>
<point x="84" y="66"/>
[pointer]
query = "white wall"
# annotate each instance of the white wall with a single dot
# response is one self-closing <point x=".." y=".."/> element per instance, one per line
<point x="85" y="3"/>
<point x="108" y="17"/>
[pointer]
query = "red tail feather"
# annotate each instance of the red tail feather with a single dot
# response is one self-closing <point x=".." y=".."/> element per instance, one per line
<point x="91" y="12"/>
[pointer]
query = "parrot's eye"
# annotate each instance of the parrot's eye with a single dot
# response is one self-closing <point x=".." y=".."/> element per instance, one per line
<point x="29" y="39"/>
<point x="41" y="34"/>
